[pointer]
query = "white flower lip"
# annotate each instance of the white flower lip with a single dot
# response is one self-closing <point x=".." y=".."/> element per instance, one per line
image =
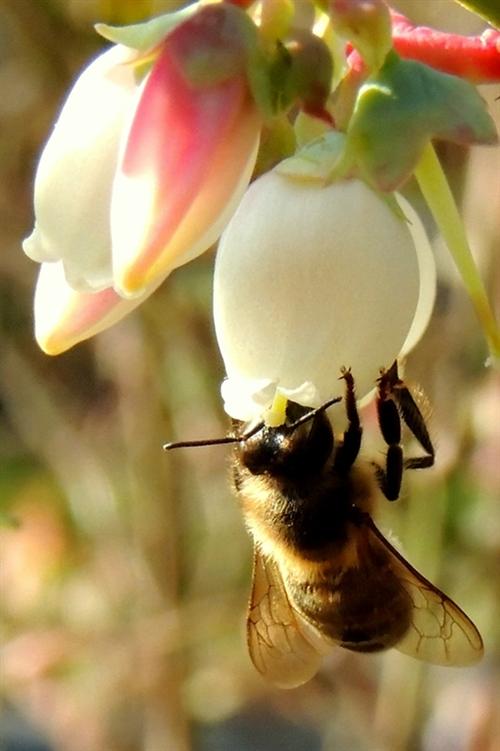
<point x="308" y="280"/>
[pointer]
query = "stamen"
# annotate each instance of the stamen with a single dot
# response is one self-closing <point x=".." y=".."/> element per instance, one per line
<point x="276" y="414"/>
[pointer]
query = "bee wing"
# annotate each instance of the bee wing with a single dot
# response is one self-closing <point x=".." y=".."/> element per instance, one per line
<point x="440" y="632"/>
<point x="284" y="648"/>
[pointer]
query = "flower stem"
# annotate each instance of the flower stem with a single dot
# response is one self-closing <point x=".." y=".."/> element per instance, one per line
<point x="437" y="193"/>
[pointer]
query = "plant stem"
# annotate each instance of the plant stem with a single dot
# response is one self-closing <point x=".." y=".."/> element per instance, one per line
<point x="437" y="193"/>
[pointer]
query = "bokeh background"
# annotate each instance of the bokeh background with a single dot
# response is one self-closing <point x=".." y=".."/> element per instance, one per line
<point x="124" y="572"/>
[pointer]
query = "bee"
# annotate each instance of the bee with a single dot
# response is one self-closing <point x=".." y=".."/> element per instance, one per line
<point x="323" y="573"/>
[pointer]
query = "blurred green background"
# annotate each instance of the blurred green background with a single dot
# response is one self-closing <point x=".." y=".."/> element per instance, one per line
<point x="124" y="572"/>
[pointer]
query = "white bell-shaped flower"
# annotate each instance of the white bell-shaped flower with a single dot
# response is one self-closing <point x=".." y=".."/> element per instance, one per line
<point x="310" y="279"/>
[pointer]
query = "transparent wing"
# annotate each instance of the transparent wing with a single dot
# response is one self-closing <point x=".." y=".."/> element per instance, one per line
<point x="440" y="632"/>
<point x="284" y="648"/>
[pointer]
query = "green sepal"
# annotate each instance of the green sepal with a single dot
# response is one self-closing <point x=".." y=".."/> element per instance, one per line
<point x="145" y="36"/>
<point x="398" y="111"/>
<point x="321" y="160"/>
<point x="277" y="141"/>
<point x="308" y="128"/>
<point x="265" y="72"/>
<point x="487" y="9"/>
<point x="295" y="70"/>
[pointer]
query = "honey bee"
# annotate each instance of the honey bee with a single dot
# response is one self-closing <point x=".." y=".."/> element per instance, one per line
<point x="323" y="573"/>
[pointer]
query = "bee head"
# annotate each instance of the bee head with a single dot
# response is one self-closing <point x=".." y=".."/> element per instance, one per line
<point x="290" y="449"/>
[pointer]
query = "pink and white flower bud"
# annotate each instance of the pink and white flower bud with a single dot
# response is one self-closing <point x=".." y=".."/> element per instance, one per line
<point x="191" y="147"/>
<point x="137" y="179"/>
<point x="311" y="278"/>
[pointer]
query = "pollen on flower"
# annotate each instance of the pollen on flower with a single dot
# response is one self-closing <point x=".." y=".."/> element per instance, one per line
<point x="131" y="283"/>
<point x="276" y="413"/>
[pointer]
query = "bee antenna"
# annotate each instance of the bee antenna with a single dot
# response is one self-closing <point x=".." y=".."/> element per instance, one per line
<point x="202" y="442"/>
<point x="312" y="414"/>
<point x="213" y="441"/>
<point x="245" y="436"/>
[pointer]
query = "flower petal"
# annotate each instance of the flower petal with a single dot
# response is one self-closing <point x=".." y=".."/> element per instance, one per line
<point x="64" y="317"/>
<point x="75" y="172"/>
<point x="189" y="152"/>
<point x="427" y="274"/>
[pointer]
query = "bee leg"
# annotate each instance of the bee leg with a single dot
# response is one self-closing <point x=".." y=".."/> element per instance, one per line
<point x="395" y="403"/>
<point x="389" y="479"/>
<point x="391" y="384"/>
<point x="349" y="449"/>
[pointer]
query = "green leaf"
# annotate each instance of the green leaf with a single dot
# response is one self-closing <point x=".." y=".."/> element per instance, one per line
<point x="145" y="36"/>
<point x="401" y="108"/>
<point x="487" y="9"/>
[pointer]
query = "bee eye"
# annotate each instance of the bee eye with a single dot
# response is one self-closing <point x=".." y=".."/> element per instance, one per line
<point x="264" y="451"/>
<point x="289" y="450"/>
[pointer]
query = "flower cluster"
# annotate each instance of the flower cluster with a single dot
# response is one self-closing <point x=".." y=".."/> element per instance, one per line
<point x="154" y="149"/>
<point x="140" y="173"/>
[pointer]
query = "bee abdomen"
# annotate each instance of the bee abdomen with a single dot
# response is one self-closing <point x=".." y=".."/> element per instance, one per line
<point x="361" y="612"/>
<point x="375" y="636"/>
